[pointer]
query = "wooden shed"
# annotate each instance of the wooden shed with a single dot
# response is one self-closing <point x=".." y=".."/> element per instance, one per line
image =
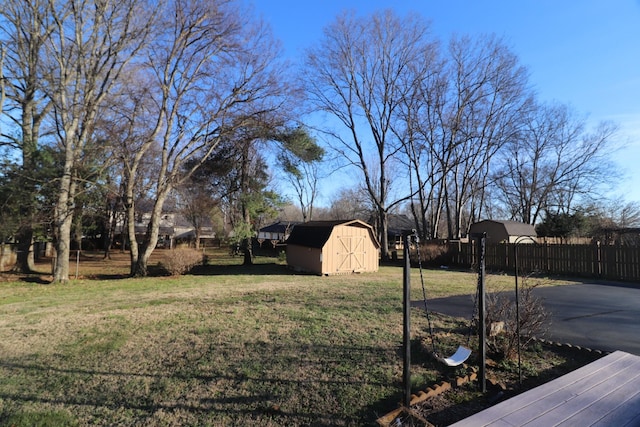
<point x="333" y="247"/>
<point x="504" y="231"/>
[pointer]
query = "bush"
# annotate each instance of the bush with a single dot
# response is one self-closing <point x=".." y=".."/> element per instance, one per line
<point x="433" y="253"/>
<point x="179" y="261"/>
<point x="501" y="307"/>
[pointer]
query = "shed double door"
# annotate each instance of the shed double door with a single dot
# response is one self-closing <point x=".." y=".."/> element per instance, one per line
<point x="351" y="253"/>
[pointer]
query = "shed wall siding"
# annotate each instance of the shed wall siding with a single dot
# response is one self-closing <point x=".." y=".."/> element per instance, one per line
<point x="303" y="258"/>
<point x="496" y="233"/>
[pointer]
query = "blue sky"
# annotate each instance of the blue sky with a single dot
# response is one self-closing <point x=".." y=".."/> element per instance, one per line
<point x="584" y="53"/>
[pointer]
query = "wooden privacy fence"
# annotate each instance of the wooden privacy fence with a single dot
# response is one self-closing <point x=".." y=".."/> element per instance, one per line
<point x="597" y="261"/>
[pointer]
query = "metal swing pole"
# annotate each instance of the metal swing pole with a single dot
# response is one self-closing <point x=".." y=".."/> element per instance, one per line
<point x="482" y="332"/>
<point x="515" y="260"/>
<point x="406" y="339"/>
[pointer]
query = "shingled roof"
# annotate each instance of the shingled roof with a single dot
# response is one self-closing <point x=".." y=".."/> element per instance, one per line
<point x="279" y="227"/>
<point x="513" y="228"/>
<point x="314" y="234"/>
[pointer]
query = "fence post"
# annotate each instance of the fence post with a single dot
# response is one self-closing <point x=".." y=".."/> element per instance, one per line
<point x="598" y="259"/>
<point x="507" y="265"/>
<point x="546" y="258"/>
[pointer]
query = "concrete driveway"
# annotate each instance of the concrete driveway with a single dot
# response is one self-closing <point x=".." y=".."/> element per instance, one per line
<point x="597" y="316"/>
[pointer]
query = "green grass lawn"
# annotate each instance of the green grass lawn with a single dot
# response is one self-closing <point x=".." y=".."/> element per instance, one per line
<point x="230" y="345"/>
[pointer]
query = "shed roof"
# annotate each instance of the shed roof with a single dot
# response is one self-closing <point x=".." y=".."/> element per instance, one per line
<point x="314" y="234"/>
<point x="513" y="228"/>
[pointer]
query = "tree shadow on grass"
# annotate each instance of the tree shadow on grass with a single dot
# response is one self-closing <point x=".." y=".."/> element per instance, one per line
<point x="262" y="269"/>
<point x="303" y="384"/>
<point x="38" y="280"/>
<point x="35" y="278"/>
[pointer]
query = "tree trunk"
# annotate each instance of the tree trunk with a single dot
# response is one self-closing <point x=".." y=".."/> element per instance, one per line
<point x="384" y="235"/>
<point x="25" y="262"/>
<point x="63" y="218"/>
<point x="197" y="242"/>
<point x="108" y="236"/>
<point x="77" y="236"/>
<point x="62" y="249"/>
<point x="133" y="240"/>
<point x="139" y="268"/>
<point x="248" y="252"/>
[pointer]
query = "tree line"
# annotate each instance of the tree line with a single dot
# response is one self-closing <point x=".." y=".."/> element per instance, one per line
<point x="452" y="129"/>
<point x="124" y="101"/>
<point x="111" y="107"/>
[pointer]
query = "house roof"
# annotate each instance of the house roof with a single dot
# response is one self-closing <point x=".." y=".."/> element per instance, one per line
<point x="399" y="224"/>
<point x="279" y="227"/>
<point x="314" y="234"/>
<point x="513" y="228"/>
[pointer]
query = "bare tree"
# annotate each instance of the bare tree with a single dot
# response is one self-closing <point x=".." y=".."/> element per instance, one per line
<point x="464" y="106"/>
<point x="126" y="123"/>
<point x="3" y="93"/>
<point x="612" y="213"/>
<point x="488" y="95"/>
<point x="421" y="129"/>
<point x="304" y="179"/>
<point x="553" y="160"/>
<point x="213" y="72"/>
<point x="89" y="46"/>
<point x="350" y="204"/>
<point x="196" y="204"/>
<point x="626" y="214"/>
<point x="25" y="27"/>
<point x="356" y="74"/>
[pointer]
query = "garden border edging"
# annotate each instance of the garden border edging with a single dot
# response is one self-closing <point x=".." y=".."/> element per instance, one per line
<point x="472" y="375"/>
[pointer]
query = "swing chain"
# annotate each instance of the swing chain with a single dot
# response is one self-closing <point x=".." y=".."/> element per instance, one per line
<point x="475" y="315"/>
<point x="434" y="343"/>
<point x="424" y="294"/>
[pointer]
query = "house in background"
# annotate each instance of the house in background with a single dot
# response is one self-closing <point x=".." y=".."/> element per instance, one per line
<point x="276" y="233"/>
<point x="505" y="231"/>
<point x="333" y="247"/>
<point x="397" y="227"/>
<point x="175" y="230"/>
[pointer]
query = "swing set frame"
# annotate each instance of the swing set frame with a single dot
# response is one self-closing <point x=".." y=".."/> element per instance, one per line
<point x="463" y="353"/>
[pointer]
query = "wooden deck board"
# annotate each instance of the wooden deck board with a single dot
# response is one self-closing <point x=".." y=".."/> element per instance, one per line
<point x="581" y="406"/>
<point x="605" y="388"/>
<point x="626" y="413"/>
<point x="577" y="396"/>
<point x="623" y="394"/>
